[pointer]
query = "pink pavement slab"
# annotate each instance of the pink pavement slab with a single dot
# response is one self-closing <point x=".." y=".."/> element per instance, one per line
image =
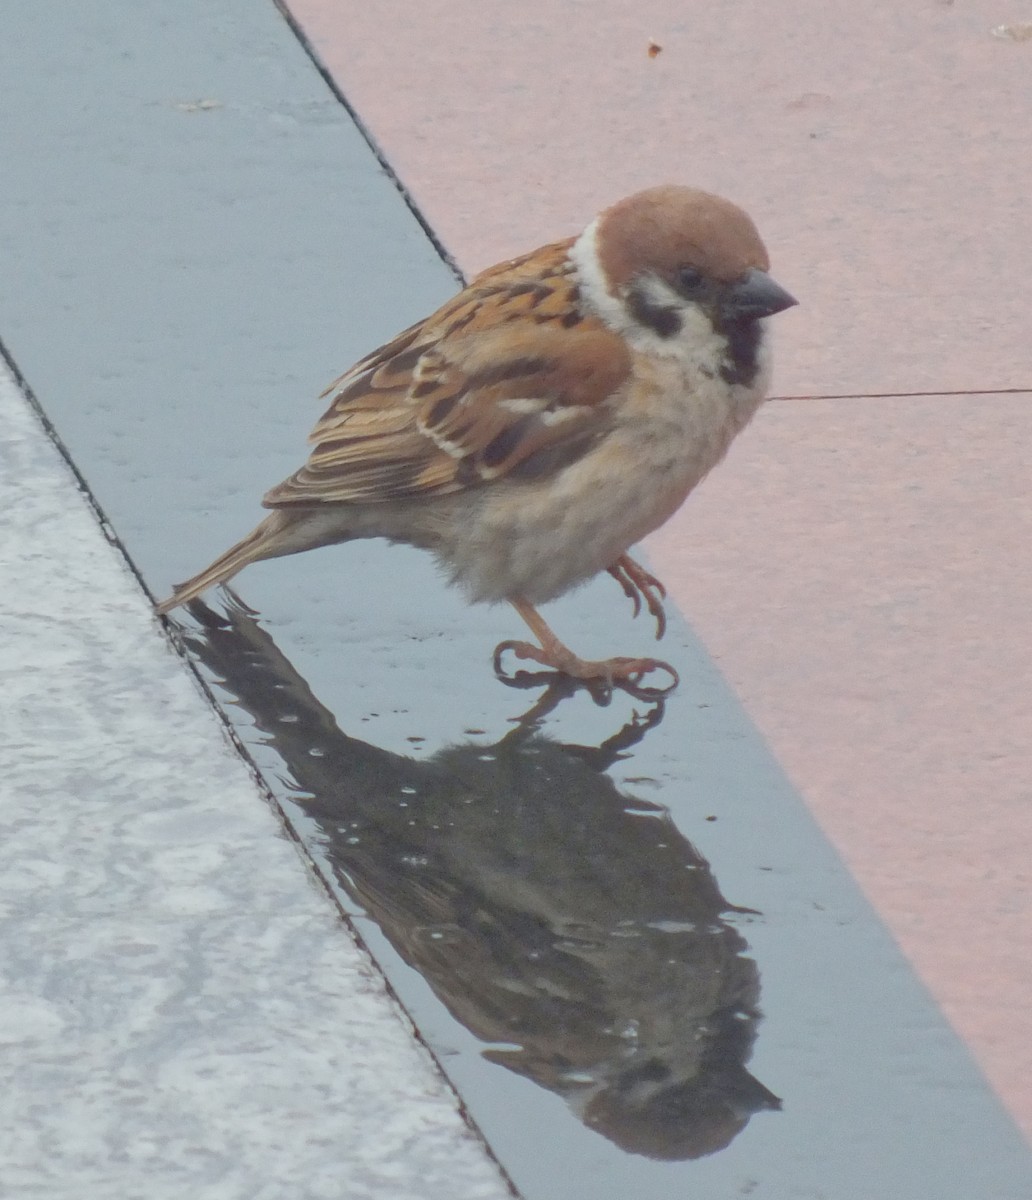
<point x="883" y="148"/>
<point x="862" y="574"/>
<point x="860" y="568"/>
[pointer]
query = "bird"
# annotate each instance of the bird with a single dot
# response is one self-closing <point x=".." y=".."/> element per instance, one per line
<point x="546" y="418"/>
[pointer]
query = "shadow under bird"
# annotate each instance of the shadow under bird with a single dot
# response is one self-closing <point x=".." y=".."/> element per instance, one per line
<point x="548" y="417"/>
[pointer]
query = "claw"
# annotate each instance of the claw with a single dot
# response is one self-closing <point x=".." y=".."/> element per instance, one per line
<point x="600" y="676"/>
<point x="637" y="583"/>
<point x="629" y="590"/>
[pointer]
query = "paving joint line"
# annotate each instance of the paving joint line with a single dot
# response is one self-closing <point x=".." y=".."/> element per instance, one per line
<point x="83" y="487"/>
<point x="378" y="152"/>
<point x="168" y="626"/>
<point x="176" y="643"/>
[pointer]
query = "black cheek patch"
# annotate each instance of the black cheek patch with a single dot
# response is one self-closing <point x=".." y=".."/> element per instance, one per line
<point x="666" y="322"/>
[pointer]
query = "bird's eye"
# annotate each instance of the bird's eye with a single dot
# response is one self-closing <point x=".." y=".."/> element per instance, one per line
<point x="689" y="279"/>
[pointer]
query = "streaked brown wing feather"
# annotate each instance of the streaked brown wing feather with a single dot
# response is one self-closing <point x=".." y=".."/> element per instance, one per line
<point x="509" y="376"/>
<point x="399" y="355"/>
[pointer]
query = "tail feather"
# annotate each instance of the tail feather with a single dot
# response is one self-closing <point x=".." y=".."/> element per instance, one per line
<point x="262" y="542"/>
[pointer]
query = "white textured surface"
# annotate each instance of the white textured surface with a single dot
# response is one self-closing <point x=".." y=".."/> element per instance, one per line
<point x="181" y="1013"/>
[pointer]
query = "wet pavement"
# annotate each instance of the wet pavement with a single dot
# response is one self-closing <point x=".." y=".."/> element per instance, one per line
<point x="619" y="929"/>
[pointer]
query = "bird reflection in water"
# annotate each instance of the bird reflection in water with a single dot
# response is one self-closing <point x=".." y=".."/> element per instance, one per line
<point x="569" y="926"/>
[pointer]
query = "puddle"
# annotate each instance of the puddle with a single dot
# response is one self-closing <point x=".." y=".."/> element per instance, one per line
<point x="595" y="989"/>
<point x="545" y="909"/>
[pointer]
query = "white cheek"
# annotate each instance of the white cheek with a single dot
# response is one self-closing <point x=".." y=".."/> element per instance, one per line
<point x="697" y="347"/>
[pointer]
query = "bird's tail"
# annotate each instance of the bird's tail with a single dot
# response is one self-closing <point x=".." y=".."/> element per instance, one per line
<point x="264" y="541"/>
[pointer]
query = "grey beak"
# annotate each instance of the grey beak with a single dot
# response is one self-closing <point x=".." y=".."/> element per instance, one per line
<point x="756" y="295"/>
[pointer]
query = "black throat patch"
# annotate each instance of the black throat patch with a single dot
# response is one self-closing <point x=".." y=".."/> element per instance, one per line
<point x="743" y="344"/>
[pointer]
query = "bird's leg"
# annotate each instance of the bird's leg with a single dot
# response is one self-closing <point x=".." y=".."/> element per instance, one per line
<point x="637" y="583"/>
<point x="625" y="672"/>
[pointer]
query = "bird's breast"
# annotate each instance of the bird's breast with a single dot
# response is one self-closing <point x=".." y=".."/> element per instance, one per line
<point x="671" y="424"/>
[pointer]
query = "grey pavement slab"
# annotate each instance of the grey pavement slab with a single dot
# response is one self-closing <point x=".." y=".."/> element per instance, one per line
<point x="181" y="1011"/>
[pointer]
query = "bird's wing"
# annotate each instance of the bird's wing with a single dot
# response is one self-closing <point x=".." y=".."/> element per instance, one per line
<point x="510" y="377"/>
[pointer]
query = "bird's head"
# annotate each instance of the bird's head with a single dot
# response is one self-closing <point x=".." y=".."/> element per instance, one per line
<point x="674" y="262"/>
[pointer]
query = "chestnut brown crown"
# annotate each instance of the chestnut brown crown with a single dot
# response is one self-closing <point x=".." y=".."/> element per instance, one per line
<point x="665" y="229"/>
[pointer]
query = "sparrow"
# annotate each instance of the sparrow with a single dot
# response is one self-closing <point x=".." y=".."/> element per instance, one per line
<point x="559" y="408"/>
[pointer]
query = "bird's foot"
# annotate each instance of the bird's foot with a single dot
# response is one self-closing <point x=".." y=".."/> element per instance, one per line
<point x="639" y="584"/>
<point x="600" y="676"/>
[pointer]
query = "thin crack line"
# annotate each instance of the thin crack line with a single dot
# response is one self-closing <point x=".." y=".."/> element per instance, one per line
<point x="1016" y="391"/>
